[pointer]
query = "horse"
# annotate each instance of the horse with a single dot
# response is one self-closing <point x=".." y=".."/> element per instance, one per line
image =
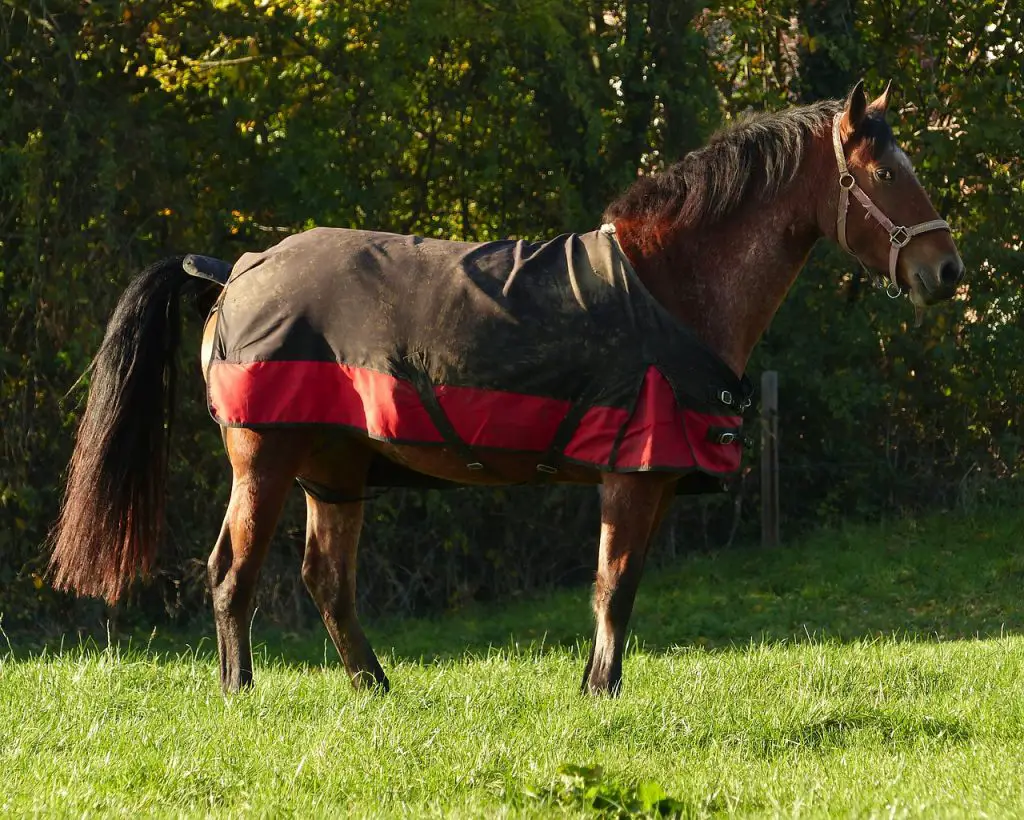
<point x="716" y="239"/>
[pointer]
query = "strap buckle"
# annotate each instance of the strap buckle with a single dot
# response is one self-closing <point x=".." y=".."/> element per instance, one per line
<point x="474" y="465"/>
<point x="893" y="290"/>
<point x="547" y="469"/>
<point x="724" y="435"/>
<point x="846" y="180"/>
<point x="900" y="236"/>
<point x="726" y="398"/>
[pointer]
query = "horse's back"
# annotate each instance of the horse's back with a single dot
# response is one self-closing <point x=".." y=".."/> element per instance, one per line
<point x="489" y="313"/>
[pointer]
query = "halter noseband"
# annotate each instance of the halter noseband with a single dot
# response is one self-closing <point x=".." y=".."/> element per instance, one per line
<point x="899" y="236"/>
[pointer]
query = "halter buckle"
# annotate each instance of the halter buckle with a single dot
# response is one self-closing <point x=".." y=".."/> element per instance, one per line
<point x="846" y="180"/>
<point x="893" y="290"/>
<point x="900" y="236"/>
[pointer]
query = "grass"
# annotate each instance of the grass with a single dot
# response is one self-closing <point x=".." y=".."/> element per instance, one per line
<point x="867" y="672"/>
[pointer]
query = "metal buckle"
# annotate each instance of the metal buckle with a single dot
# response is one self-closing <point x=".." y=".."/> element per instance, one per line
<point x="847" y="181"/>
<point x="546" y="468"/>
<point x="745" y="404"/>
<point x="893" y="294"/>
<point x="476" y="465"/>
<point x="726" y="438"/>
<point x="726" y="398"/>
<point x="904" y="236"/>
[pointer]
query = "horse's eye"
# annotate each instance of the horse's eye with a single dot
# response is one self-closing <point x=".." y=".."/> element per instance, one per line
<point x="883" y="174"/>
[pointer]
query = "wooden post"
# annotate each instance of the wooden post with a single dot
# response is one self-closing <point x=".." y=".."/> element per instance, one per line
<point x="770" y="458"/>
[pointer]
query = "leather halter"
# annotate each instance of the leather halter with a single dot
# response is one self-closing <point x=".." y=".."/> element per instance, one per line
<point x="899" y="236"/>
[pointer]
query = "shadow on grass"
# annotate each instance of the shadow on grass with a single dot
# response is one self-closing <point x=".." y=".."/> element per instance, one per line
<point x="945" y="578"/>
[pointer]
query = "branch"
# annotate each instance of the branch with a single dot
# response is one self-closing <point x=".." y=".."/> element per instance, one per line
<point x="220" y="63"/>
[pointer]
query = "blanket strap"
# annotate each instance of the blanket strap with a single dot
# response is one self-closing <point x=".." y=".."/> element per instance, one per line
<point x="328" y="495"/>
<point x="425" y="387"/>
<point x="550" y="461"/>
<point x="448" y="432"/>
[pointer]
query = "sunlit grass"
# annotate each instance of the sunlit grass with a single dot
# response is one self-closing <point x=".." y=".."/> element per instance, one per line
<point x="835" y="677"/>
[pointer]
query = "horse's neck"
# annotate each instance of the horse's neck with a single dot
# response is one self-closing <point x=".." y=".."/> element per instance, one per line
<point x="727" y="281"/>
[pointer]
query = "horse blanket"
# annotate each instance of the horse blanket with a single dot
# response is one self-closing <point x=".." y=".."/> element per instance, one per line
<point x="551" y="348"/>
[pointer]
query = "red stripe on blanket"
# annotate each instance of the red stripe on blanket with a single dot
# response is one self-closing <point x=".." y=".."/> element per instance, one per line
<point x="662" y="435"/>
<point x="267" y="393"/>
<point x="657" y="435"/>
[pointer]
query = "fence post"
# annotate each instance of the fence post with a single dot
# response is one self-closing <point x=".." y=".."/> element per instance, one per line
<point x="770" y="458"/>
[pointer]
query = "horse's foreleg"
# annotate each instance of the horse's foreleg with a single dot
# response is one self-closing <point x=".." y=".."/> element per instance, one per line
<point x="329" y="571"/>
<point x="631" y="509"/>
<point x="264" y="467"/>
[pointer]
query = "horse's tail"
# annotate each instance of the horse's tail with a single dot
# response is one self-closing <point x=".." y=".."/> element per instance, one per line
<point x="113" y="511"/>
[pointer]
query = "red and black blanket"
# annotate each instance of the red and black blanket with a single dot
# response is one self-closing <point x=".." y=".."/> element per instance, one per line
<point x="551" y="348"/>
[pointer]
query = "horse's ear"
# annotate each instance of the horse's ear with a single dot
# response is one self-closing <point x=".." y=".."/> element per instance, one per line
<point x="881" y="104"/>
<point x="856" y="108"/>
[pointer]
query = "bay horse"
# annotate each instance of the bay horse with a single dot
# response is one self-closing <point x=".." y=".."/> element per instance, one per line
<point x="717" y="239"/>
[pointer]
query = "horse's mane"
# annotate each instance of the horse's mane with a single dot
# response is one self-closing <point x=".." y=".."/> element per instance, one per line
<point x="756" y="157"/>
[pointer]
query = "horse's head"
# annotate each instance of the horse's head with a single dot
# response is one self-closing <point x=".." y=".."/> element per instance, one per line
<point x="885" y="218"/>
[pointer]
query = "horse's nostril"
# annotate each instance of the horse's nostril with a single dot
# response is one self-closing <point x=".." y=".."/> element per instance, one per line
<point x="951" y="272"/>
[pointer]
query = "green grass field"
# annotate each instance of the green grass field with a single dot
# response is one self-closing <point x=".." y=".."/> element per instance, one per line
<point x="873" y="673"/>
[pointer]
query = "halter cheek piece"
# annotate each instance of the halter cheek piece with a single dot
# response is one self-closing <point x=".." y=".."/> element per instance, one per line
<point x="899" y="236"/>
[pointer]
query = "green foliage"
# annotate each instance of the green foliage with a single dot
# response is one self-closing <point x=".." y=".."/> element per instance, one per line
<point x="133" y="130"/>
<point x="590" y="788"/>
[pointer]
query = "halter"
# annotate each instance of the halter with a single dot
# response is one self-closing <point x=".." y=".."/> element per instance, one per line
<point x="899" y="236"/>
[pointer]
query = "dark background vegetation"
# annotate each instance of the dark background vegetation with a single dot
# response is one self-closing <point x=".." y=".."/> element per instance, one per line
<point x="133" y="130"/>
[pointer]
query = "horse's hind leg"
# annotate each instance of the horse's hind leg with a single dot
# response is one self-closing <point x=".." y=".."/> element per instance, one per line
<point x="264" y="466"/>
<point x="329" y="571"/>
<point x="631" y="509"/>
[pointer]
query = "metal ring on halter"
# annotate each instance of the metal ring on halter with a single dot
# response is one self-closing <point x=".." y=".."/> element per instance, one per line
<point x="893" y="294"/>
<point x="903" y="234"/>
<point x="847" y="181"/>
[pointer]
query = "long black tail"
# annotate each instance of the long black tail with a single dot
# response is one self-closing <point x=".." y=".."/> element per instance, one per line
<point x="113" y="512"/>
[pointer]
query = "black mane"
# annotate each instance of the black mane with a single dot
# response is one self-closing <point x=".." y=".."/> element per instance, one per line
<point x="756" y="157"/>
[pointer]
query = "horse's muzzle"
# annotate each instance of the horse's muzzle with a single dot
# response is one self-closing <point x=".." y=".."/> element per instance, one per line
<point x="938" y="283"/>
